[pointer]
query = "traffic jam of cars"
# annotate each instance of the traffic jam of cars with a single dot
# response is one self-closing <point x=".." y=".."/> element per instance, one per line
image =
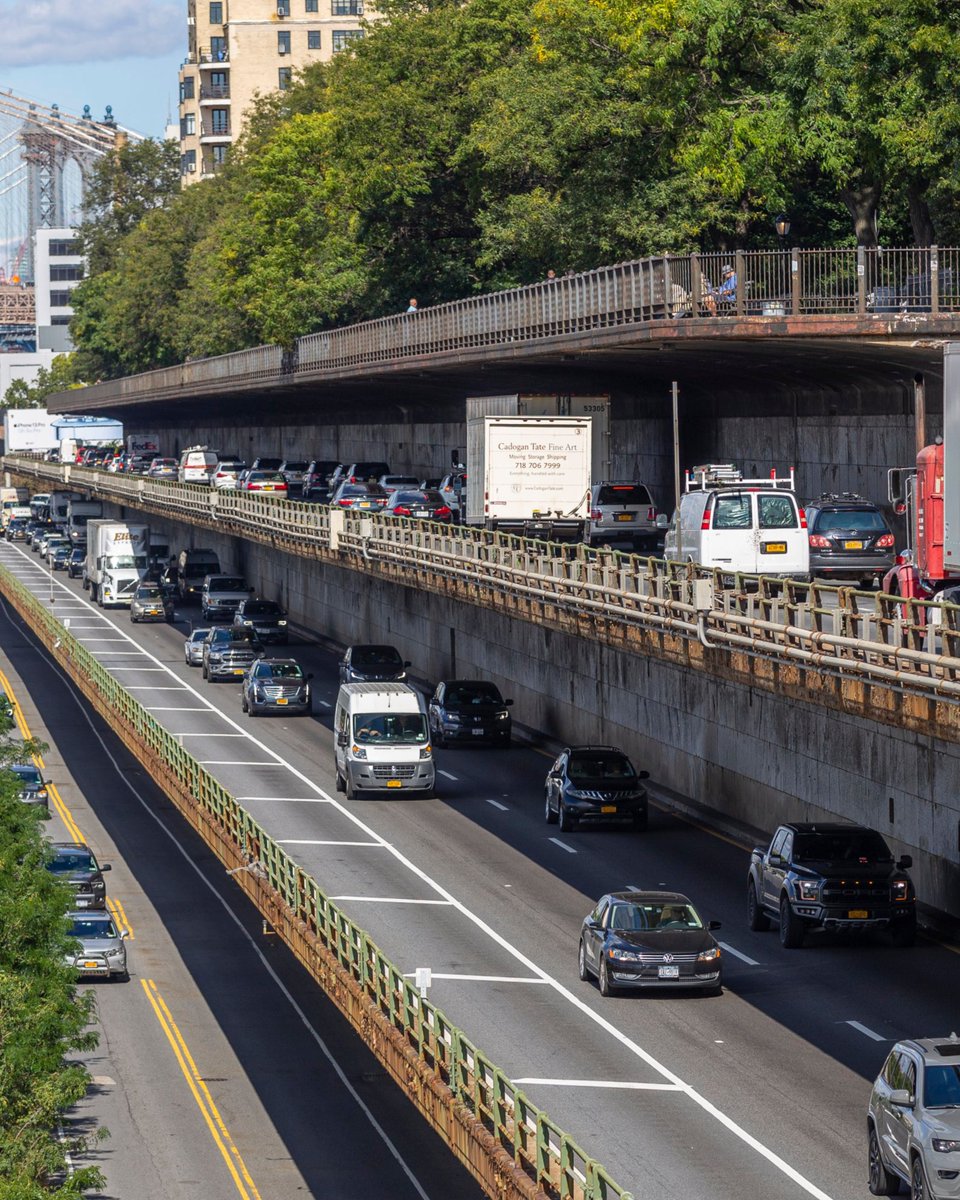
<point x="811" y="881"/>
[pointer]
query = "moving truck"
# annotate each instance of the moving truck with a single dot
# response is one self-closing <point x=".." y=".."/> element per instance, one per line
<point x="530" y="475"/>
<point x="78" y="513"/>
<point x="59" y="503"/>
<point x="116" y="561"/>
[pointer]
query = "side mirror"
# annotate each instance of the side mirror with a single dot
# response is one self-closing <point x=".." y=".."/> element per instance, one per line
<point x="901" y="1098"/>
<point x="663" y="521"/>
<point x="124" y="933"/>
<point x="309" y="676"/>
<point x="905" y="861"/>
<point x="406" y="663"/>
<point x="342" y="739"/>
<point x="105" y="867"/>
<point x="713" y="924"/>
<point x="643" y="774"/>
<point x="508" y="703"/>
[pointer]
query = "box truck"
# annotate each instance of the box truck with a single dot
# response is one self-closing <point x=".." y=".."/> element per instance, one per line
<point x="79" y="513"/>
<point x="59" y="503"/>
<point x="530" y="475"/>
<point x="116" y="561"/>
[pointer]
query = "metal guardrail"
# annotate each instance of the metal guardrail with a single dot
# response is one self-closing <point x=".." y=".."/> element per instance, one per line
<point x="884" y="639"/>
<point x="547" y="1157"/>
<point x="771" y="284"/>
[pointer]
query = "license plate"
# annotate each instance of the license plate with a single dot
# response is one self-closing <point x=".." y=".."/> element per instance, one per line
<point x="858" y="914"/>
<point x="153" y="612"/>
<point x="774" y="547"/>
<point x="282" y="700"/>
<point x="669" y="972"/>
<point x="421" y="512"/>
<point x="91" y="966"/>
<point x="364" y="504"/>
<point x="608" y="808"/>
<point x="853" y="545"/>
<point x="394" y="783"/>
<point x="81" y="903"/>
<point x="624" y="517"/>
<point x="239" y="671"/>
<point x="477" y="732"/>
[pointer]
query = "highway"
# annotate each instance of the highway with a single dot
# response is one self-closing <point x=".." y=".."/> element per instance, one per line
<point x="760" y="1093"/>
<point x="222" y="1070"/>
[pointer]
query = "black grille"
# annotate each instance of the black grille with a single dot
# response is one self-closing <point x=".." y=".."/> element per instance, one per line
<point x="407" y="771"/>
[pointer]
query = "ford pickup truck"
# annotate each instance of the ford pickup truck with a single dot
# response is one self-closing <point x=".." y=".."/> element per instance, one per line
<point x="830" y="876"/>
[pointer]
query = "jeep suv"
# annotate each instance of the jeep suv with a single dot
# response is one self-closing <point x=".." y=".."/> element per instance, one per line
<point x="76" y="864"/>
<point x="913" y="1120"/>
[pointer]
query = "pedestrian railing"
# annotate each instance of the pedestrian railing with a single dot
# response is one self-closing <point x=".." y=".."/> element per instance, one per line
<point x="908" y="644"/>
<point x="549" y="1160"/>
<point x="770" y="284"/>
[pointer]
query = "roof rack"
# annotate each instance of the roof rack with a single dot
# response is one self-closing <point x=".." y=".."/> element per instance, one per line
<point x="718" y="475"/>
<point x="843" y="496"/>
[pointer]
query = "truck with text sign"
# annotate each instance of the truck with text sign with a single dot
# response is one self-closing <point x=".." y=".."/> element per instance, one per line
<point x="145" y="445"/>
<point x="117" y="558"/>
<point x="530" y="476"/>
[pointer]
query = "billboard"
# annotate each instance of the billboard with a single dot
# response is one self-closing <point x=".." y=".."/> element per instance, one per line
<point x="28" y="429"/>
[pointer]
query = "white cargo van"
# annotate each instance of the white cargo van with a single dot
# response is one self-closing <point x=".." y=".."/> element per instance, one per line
<point x="754" y="526"/>
<point x="382" y="740"/>
<point x="197" y="464"/>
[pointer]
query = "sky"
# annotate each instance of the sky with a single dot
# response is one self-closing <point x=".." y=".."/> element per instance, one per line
<point x="125" y="53"/>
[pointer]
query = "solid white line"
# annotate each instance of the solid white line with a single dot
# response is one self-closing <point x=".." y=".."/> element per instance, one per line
<point x="201" y="735"/>
<point x="170" y="708"/>
<point x="562" y="845"/>
<point x="145" y="670"/>
<point x="113" y="653"/>
<point x="561" y="989"/>
<point x="309" y="842"/>
<point x="287" y="799"/>
<point x="601" y="1083"/>
<point x="497" y="804"/>
<point x="96" y="639"/>
<point x="390" y="899"/>
<point x="447" y="775"/>
<point x="325" y="703"/>
<point x="230" y="762"/>
<point x="153" y="687"/>
<point x="728" y="949"/>
<point x="866" y="1032"/>
<point x="480" y="979"/>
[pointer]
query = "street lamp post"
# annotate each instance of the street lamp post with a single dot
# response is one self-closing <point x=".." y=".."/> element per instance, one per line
<point x="782" y="226"/>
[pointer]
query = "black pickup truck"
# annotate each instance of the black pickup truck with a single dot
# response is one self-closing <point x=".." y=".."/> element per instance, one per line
<point x="830" y="876"/>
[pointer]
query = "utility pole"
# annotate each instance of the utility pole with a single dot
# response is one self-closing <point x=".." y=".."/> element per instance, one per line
<point x="675" y="392"/>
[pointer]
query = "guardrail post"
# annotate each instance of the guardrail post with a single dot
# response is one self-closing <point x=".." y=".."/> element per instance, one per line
<point x="795" y="281"/>
<point x="861" y="280"/>
<point x="741" y="294"/>
<point x="696" y="285"/>
<point x="934" y="280"/>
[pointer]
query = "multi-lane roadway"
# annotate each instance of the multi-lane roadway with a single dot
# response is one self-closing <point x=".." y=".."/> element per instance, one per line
<point x="760" y="1093"/>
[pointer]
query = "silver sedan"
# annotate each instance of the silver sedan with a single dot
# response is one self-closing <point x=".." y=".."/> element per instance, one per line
<point x="193" y="648"/>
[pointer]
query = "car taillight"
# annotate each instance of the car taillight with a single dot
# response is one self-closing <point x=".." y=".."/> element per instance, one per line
<point x="885" y="541"/>
<point x="442" y="511"/>
<point x="705" y="523"/>
<point x="344" y="503"/>
<point x="595" y="514"/>
<point x="651" y="514"/>
<point x="400" y="511"/>
<point x="818" y="542"/>
<point x="352" y="479"/>
<point x="803" y="518"/>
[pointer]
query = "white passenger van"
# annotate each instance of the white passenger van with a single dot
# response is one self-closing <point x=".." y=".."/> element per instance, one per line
<point x="382" y="740"/>
<point x="197" y="464"/>
<point x="754" y="526"/>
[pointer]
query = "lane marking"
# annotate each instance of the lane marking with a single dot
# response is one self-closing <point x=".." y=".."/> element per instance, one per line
<point x="497" y="804"/>
<point x="144" y="671"/>
<point x="287" y="799"/>
<point x="631" y="887"/>
<point x="728" y="949"/>
<point x="876" y="1037"/>
<point x="191" y="733"/>
<point x="601" y="1083"/>
<point x="447" y="775"/>
<point x="120" y="917"/>
<point x="325" y="703"/>
<point x="171" y="708"/>
<point x="389" y="899"/>
<point x="562" y="845"/>
<point x="562" y="990"/>
<point x="481" y="979"/>
<point x="226" y="762"/>
<point x="153" y="687"/>
<point x="309" y="842"/>
<point x="201" y="1094"/>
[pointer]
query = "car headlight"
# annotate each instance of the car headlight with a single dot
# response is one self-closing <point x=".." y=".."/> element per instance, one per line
<point x="502" y="716"/>
<point x="452" y="718"/>
<point x="710" y="955"/>
<point x="945" y="1145"/>
<point x="575" y="794"/>
<point x="281" y="622"/>
<point x="402" y="675"/>
<point x="42" y="793"/>
<point x="358" y="752"/>
<point x="900" y="889"/>
<point x="116" y="953"/>
<point x="620" y="955"/>
<point x="426" y="751"/>
<point x="808" y="889"/>
<point x="246" y="622"/>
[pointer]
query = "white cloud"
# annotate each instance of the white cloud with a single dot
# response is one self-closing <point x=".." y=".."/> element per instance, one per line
<point x="47" y="32"/>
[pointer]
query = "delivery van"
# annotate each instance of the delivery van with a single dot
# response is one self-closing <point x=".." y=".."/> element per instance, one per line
<point x="197" y="464"/>
<point x="382" y="741"/>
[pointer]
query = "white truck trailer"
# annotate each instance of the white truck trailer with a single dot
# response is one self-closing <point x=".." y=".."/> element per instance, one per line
<point x="79" y="512"/>
<point x="530" y="475"/>
<point x="117" y="554"/>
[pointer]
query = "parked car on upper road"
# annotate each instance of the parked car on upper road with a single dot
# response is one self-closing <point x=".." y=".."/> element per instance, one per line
<point x="315" y="484"/>
<point x="163" y="468"/>
<point x="358" y="472"/>
<point x="372" y="664"/>
<point x="469" y="710"/>
<point x="276" y="685"/>
<point x="453" y="488"/>
<point x="101" y="952"/>
<point x="292" y="470"/>
<point x="391" y="483"/>
<point x="76" y="864"/>
<point x="652" y="940"/>
<point x="419" y="506"/>
<point x="266" y="464"/>
<point x="226" y="477"/>
<point x="849" y="539"/>
<point x="595" y="783"/>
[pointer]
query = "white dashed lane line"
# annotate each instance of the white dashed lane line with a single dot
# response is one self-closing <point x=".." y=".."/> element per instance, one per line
<point x="728" y="949"/>
<point x="562" y="845"/>
<point x="497" y="804"/>
<point x="876" y="1037"/>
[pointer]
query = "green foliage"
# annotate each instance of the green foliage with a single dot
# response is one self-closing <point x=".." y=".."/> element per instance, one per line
<point x="42" y="1019"/>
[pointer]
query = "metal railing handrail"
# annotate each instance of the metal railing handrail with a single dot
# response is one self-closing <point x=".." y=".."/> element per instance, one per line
<point x="772" y="285"/>
<point x="886" y="639"/>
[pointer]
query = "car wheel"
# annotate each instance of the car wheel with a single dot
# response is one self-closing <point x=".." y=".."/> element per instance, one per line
<point x="438" y="739"/>
<point x="918" y="1180"/>
<point x="880" y="1181"/>
<point x="567" y="823"/>
<point x="349" y="789"/>
<point x="123" y="977"/>
<point x="252" y="710"/>
<point x="205" y="672"/>
<point x="243" y="702"/>
<point x="757" y="919"/>
<point x="549" y="815"/>
<point x="791" y="927"/>
<point x="339" y="784"/>
<point x="904" y="933"/>
<point x="606" y="987"/>
<point x="640" y="819"/>
<point x="582" y="969"/>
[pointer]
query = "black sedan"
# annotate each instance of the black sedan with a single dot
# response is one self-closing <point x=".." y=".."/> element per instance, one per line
<point x="468" y="710"/>
<point x="60" y="556"/>
<point x="75" y="561"/>
<point x="595" y="783"/>
<point x="372" y="664"/>
<point x="276" y="685"/>
<point x="649" y="940"/>
<point x="418" y="506"/>
<point x="359" y="495"/>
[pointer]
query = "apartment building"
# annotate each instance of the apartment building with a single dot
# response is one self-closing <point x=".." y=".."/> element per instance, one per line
<point x="59" y="267"/>
<point x="240" y="47"/>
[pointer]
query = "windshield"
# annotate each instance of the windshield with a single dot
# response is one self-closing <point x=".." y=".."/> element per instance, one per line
<point x="600" y="767"/>
<point x="941" y="1087"/>
<point x="850" y="519"/>
<point x="196" y="570"/>
<point x="126" y="562"/>
<point x="92" y="929"/>
<point x="65" y="864"/>
<point x="294" y="466"/>
<point x="375" y="656"/>
<point x="149" y="592"/>
<point x="394" y="728"/>
<point x="79" y="521"/>
<point x="27" y="774"/>
<point x="228" y="583"/>
<point x="623" y="493"/>
<point x="653" y="916"/>
<point x="261" y="608"/>
<point x="473" y="693"/>
<point x="859" y="846"/>
<point x="269" y="464"/>
<point x="279" y="671"/>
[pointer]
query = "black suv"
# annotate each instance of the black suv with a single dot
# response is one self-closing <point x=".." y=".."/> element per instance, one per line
<point x="830" y="875"/>
<point x="595" y="783"/>
<point x="76" y="864"/>
<point x="849" y="539"/>
<point x="266" y="618"/>
<point x="316" y="478"/>
<point x="372" y="664"/>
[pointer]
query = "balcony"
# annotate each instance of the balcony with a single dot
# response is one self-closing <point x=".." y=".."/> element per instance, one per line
<point x="210" y="92"/>
<point x="213" y="135"/>
<point x="208" y="58"/>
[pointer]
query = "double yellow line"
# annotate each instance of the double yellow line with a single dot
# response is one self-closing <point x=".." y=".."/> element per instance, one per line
<point x="201" y="1093"/>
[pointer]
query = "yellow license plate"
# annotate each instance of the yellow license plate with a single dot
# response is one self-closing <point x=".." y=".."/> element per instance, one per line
<point x="608" y="808"/>
<point x="281" y="700"/>
<point x="858" y="914"/>
<point x="624" y="516"/>
<point x="394" y="783"/>
<point x="239" y="671"/>
<point x="774" y="547"/>
<point x="91" y="966"/>
<point x="853" y="545"/>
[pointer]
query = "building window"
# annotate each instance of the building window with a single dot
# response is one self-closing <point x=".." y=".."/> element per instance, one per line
<point x="61" y="320"/>
<point x="219" y="120"/>
<point x="216" y="12"/>
<point x="60" y="248"/>
<point x="218" y="49"/>
<point x="313" y="39"/>
<point x="283" y="8"/>
<point x="220" y="155"/>
<point x="188" y="162"/>
<point x="186" y="88"/>
<point x="284" y="78"/>
<point x="188" y="125"/>
<point x="283" y="41"/>
<point x="312" y="6"/>
<point x="59" y="274"/>
<point x="60" y="299"/>
<point x="347" y="8"/>
<point x="217" y="86"/>
<point x="343" y="37"/>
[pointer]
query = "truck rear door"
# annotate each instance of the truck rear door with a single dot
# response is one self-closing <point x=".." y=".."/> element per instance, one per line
<point x="783" y="547"/>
